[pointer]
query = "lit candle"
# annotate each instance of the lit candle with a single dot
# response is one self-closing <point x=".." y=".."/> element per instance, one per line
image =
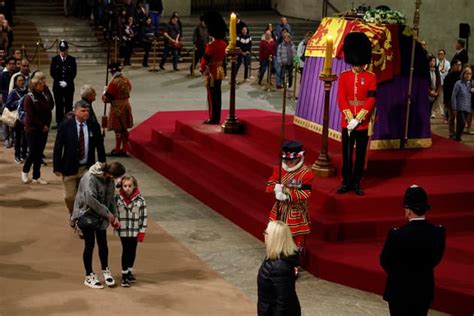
<point x="233" y="30"/>
<point x="327" y="70"/>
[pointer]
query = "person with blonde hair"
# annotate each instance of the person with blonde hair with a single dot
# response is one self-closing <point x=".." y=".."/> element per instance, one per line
<point x="276" y="277"/>
<point x="38" y="105"/>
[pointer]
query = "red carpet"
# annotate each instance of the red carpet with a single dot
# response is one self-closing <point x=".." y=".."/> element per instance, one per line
<point x="229" y="172"/>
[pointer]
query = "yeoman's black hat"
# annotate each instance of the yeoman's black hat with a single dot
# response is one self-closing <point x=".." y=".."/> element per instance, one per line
<point x="292" y="150"/>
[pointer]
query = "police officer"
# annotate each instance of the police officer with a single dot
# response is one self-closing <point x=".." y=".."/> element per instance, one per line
<point x="356" y="99"/>
<point x="63" y="71"/>
<point x="409" y="256"/>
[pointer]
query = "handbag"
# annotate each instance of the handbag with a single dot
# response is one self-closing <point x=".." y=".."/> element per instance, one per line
<point x="9" y="117"/>
<point x="89" y="221"/>
<point x="176" y="45"/>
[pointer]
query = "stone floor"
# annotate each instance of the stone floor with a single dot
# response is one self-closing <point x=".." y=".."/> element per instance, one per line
<point x="222" y="245"/>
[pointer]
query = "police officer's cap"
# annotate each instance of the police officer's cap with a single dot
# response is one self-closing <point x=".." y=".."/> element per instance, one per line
<point x="63" y="45"/>
<point x="357" y="49"/>
<point x="416" y="199"/>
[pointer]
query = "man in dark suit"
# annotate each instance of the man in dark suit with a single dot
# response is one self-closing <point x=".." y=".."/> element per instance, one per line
<point x="63" y="71"/>
<point x="461" y="52"/>
<point x="77" y="141"/>
<point x="410" y="254"/>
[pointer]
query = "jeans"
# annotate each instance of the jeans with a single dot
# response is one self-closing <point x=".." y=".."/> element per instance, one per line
<point x="166" y="51"/>
<point x="155" y="20"/>
<point x="246" y="60"/>
<point x="461" y="117"/>
<point x="281" y="74"/>
<point x="263" y="68"/>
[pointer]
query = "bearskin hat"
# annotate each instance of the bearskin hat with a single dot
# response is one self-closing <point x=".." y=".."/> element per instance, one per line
<point x="216" y="25"/>
<point x="357" y="49"/>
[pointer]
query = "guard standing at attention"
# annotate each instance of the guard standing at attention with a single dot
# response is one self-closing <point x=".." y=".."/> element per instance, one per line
<point x="356" y="99"/>
<point x="212" y="64"/>
<point x="63" y="70"/>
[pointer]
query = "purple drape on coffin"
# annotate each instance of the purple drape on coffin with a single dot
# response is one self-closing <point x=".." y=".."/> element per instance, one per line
<point x="391" y="103"/>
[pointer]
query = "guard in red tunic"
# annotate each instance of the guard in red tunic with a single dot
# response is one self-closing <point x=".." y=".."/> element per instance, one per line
<point x="356" y="98"/>
<point x="293" y="192"/>
<point x="117" y="93"/>
<point x="212" y="64"/>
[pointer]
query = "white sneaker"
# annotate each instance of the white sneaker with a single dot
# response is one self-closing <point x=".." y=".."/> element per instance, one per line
<point x="24" y="177"/>
<point x="92" y="281"/>
<point x="39" y="181"/>
<point x="109" y="280"/>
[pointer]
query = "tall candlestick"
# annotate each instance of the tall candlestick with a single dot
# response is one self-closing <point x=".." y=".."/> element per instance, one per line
<point x="327" y="70"/>
<point x="233" y="30"/>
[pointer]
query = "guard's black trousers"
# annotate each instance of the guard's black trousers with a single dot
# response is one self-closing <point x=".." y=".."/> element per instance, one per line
<point x="214" y="99"/>
<point x="353" y="174"/>
<point x="63" y="98"/>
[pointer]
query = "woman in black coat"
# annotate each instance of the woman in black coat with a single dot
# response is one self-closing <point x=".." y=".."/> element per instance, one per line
<point x="276" y="276"/>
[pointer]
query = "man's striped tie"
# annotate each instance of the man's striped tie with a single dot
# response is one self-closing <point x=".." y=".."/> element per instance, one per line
<point x="82" y="149"/>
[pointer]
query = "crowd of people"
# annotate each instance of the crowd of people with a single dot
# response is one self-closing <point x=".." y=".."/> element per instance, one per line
<point x="91" y="186"/>
<point x="99" y="194"/>
<point x="451" y="89"/>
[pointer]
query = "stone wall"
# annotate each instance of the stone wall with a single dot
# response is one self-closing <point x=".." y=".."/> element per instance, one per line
<point x="439" y="22"/>
<point x="181" y="6"/>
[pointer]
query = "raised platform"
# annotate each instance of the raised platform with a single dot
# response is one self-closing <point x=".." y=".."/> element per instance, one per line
<point x="229" y="172"/>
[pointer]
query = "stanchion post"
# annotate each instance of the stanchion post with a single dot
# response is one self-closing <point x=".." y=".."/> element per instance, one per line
<point x="323" y="166"/>
<point x="232" y="125"/>
<point x="268" y="88"/>
<point x="193" y="65"/>
<point x="153" y="69"/>
<point x="23" y="51"/>
<point x="295" y="82"/>
<point x="115" y="48"/>
<point x="38" y="43"/>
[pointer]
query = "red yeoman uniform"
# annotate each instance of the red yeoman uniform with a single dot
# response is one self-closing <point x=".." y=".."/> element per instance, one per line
<point x="356" y="97"/>
<point x="294" y="210"/>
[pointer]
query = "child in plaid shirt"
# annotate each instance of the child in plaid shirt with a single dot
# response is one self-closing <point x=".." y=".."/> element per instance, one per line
<point x="132" y="214"/>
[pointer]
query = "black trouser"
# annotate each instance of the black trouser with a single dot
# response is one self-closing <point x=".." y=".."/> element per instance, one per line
<point x="263" y="68"/>
<point x="127" y="53"/>
<point x="460" y="123"/>
<point x="89" y="243"/>
<point x="214" y="99"/>
<point x="36" y="144"/>
<point x="197" y="57"/>
<point x="246" y="60"/>
<point x="168" y="48"/>
<point x="146" y="48"/>
<point x="352" y="175"/>
<point x="63" y="98"/>
<point x="129" y="252"/>
<point x="21" y="146"/>
<point x="408" y="309"/>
